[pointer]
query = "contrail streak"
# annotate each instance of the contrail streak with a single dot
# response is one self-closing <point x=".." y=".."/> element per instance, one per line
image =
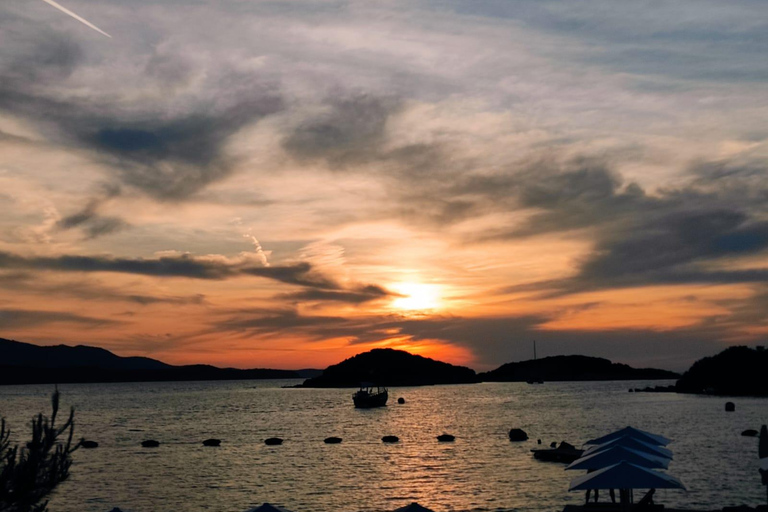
<point x="78" y="18"/>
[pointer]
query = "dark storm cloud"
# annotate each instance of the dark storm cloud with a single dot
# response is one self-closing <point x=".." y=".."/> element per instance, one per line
<point x="299" y="273"/>
<point x="29" y="282"/>
<point x="21" y="318"/>
<point x="145" y="300"/>
<point x="665" y="249"/>
<point x="670" y="235"/>
<point x="317" y="286"/>
<point x="48" y="59"/>
<point x="355" y="296"/>
<point x="167" y="153"/>
<point x="166" y="266"/>
<point x="174" y="159"/>
<point x="350" y="131"/>
<point x="90" y="221"/>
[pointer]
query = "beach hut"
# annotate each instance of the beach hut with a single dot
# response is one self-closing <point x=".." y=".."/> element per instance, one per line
<point x="413" y="507"/>
<point x="635" y="433"/>
<point x="268" y="507"/>
<point x="616" y="454"/>
<point x="625" y="476"/>
<point x="631" y="442"/>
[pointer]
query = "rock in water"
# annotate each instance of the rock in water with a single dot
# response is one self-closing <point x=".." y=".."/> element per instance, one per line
<point x="730" y="406"/>
<point x="390" y="439"/>
<point x="518" y="434"/>
<point x="212" y="442"/>
<point x="750" y="433"/>
<point x="150" y="443"/>
<point x="273" y="441"/>
<point x="89" y="444"/>
<point x="446" y="438"/>
<point x="332" y="440"/>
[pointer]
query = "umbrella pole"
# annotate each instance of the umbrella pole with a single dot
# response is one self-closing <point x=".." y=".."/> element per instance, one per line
<point x="624" y="499"/>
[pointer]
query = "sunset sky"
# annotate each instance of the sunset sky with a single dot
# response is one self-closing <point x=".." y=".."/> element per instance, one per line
<point x="285" y="184"/>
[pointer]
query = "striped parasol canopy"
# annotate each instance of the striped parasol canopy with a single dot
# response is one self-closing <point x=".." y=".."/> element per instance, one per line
<point x="268" y="507"/>
<point x="625" y="475"/>
<point x="616" y="454"/>
<point x="634" y="443"/>
<point x="636" y="433"/>
<point x="413" y="507"/>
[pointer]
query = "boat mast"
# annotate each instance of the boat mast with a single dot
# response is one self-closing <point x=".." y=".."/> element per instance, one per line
<point x="534" y="350"/>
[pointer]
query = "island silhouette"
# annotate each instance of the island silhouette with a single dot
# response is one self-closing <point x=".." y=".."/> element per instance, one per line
<point x="390" y="367"/>
<point x="572" y="368"/>
<point x="735" y="371"/>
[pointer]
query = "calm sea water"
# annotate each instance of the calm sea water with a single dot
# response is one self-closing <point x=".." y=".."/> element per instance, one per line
<point x="481" y="471"/>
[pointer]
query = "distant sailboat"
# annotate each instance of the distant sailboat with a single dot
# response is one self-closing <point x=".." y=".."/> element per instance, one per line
<point x="537" y="380"/>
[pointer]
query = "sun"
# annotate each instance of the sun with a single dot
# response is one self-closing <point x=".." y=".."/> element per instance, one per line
<point x="416" y="296"/>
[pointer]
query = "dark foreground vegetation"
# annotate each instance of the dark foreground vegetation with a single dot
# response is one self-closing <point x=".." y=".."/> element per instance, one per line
<point x="29" y="473"/>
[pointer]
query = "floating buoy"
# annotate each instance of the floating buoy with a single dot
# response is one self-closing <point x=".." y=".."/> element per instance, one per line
<point x="390" y="439"/>
<point x="446" y="438"/>
<point x="332" y="440"/>
<point x="401" y="400"/>
<point x="150" y="443"/>
<point x="212" y="442"/>
<point x="273" y="441"/>
<point x="89" y="444"/>
<point x="518" y="434"/>
<point x="730" y="406"/>
<point x="538" y="441"/>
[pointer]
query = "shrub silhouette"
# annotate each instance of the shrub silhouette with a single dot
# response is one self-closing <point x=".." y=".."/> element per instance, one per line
<point x="29" y="473"/>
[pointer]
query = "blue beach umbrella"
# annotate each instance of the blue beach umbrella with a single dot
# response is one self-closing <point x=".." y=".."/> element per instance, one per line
<point x="616" y="454"/>
<point x="268" y="507"/>
<point x="413" y="507"/>
<point x="636" y="433"/>
<point x="625" y="475"/>
<point x="631" y="442"/>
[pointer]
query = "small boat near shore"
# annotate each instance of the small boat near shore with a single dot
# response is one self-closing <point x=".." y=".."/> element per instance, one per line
<point x="565" y="453"/>
<point x="368" y="397"/>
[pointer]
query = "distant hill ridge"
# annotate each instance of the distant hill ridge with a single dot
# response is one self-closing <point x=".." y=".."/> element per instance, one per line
<point x="25" y="363"/>
<point x="16" y="353"/>
<point x="736" y="371"/>
<point x="572" y="368"/>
